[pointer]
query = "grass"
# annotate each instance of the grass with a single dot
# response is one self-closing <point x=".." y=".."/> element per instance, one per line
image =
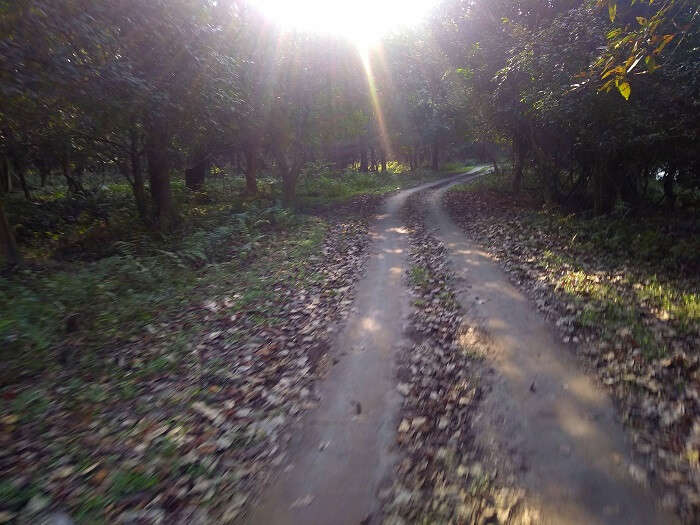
<point x="116" y="297"/>
<point x="14" y="497"/>
<point x="490" y="181"/>
<point x="456" y="168"/>
<point x="97" y="278"/>
<point x="419" y="276"/>
<point x="323" y="187"/>
<point x="126" y="483"/>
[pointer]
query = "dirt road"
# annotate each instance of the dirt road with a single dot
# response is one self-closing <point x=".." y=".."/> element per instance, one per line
<point x="542" y="409"/>
<point x="542" y="412"/>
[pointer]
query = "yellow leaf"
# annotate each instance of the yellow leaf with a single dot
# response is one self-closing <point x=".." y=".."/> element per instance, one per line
<point x="624" y="89"/>
<point x="651" y="63"/>
<point x="664" y="40"/>
<point x="616" y="70"/>
<point x="10" y="419"/>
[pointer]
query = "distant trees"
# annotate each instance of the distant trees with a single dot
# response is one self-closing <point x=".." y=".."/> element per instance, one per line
<point x="152" y="88"/>
<point x="595" y="126"/>
<point x="117" y="83"/>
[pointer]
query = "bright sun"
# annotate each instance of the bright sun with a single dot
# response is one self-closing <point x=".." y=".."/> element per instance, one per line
<point x="361" y="21"/>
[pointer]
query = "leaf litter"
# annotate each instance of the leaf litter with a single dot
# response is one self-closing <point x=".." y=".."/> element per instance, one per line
<point x="647" y="359"/>
<point x="192" y="438"/>
<point x="442" y="475"/>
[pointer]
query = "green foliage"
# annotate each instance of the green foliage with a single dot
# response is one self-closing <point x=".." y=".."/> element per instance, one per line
<point x="419" y="276"/>
<point x="116" y="296"/>
<point x="91" y="510"/>
<point x="14" y="497"/>
<point x="127" y="483"/>
<point x="614" y="270"/>
<point x="31" y="404"/>
<point x="325" y="186"/>
<point x="647" y="30"/>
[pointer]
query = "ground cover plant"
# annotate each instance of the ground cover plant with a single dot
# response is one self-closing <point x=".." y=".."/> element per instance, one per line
<point x="624" y="293"/>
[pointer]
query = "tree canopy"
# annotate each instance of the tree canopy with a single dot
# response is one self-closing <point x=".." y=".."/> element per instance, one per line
<point x="597" y="97"/>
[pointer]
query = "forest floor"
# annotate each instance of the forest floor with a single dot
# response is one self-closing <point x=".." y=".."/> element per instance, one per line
<point x="496" y="421"/>
<point x="365" y="356"/>
<point x="624" y="296"/>
<point x="146" y="378"/>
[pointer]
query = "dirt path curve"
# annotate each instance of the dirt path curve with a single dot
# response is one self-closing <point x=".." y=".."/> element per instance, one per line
<point x="338" y="459"/>
<point x="543" y="414"/>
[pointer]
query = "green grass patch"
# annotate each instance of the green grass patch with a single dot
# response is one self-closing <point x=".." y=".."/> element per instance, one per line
<point x="127" y="483"/>
<point x="114" y="298"/>
<point x="91" y="510"/>
<point x="419" y="276"/>
<point x="146" y="278"/>
<point x="14" y="497"/>
<point x="456" y="168"/>
<point x="322" y="186"/>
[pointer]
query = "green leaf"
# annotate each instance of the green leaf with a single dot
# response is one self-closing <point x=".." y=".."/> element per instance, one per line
<point x="612" y="9"/>
<point x="624" y="88"/>
<point x="651" y="63"/>
<point x="614" y="33"/>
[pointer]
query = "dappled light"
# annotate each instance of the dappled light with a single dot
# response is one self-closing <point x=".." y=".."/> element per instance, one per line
<point x="371" y="261"/>
<point x="369" y="324"/>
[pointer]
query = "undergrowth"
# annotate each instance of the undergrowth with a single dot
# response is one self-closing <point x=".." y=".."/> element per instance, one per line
<point x="96" y="277"/>
<point x="616" y="271"/>
<point x="114" y="298"/>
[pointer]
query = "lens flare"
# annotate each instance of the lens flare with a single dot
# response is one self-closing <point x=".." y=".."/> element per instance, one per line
<point x="361" y="21"/>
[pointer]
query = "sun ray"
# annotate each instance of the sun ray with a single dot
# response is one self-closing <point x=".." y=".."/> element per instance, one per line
<point x="376" y="104"/>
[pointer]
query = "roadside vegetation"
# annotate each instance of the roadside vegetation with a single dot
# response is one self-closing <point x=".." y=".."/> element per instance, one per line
<point x="104" y="312"/>
<point x="95" y="276"/>
<point x="651" y="262"/>
<point x="623" y="289"/>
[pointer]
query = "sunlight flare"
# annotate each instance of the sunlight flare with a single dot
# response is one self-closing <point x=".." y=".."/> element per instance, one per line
<point x="362" y="21"/>
<point x="381" y="122"/>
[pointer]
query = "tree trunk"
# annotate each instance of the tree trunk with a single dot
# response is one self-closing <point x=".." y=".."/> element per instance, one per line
<point x="7" y="240"/>
<point x="289" y="189"/>
<point x="20" y="172"/>
<point x="5" y="176"/>
<point x="159" y="177"/>
<point x="251" y="172"/>
<point x="669" y="195"/>
<point x="435" y="163"/>
<point x="44" y="171"/>
<point x="74" y="184"/>
<point x="603" y="191"/>
<point x="138" y="185"/>
<point x="518" y="154"/>
<point x="363" y="160"/>
<point x="237" y="157"/>
<point x="629" y="188"/>
<point x="383" y="164"/>
<point x="195" y="175"/>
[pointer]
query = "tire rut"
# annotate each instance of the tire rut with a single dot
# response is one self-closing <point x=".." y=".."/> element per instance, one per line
<point x="542" y="413"/>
